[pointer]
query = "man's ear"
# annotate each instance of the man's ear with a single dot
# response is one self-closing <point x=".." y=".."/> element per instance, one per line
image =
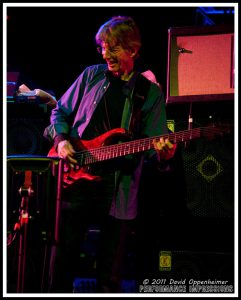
<point x="133" y="52"/>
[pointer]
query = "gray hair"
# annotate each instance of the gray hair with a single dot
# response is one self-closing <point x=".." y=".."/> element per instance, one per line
<point x="120" y="30"/>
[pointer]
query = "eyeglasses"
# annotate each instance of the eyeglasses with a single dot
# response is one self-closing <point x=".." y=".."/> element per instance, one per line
<point x="111" y="50"/>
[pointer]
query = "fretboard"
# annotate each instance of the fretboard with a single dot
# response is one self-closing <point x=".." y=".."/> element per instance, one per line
<point x="90" y="156"/>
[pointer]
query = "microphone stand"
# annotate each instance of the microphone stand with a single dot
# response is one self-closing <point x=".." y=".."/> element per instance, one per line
<point x="190" y="122"/>
<point x="190" y="119"/>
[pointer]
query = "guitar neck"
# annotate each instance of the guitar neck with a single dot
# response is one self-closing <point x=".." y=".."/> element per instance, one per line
<point x="90" y="156"/>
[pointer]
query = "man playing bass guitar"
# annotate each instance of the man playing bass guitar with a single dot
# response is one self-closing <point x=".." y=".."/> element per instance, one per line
<point x="107" y="102"/>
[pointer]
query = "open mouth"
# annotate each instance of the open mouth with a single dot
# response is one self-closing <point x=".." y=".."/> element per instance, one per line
<point x="111" y="64"/>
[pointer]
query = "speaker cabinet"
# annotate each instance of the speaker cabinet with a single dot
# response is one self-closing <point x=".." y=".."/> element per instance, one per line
<point x="200" y="64"/>
<point x="208" y="163"/>
<point x="209" y="173"/>
<point x="190" y="266"/>
<point x="183" y="248"/>
<point x="25" y="127"/>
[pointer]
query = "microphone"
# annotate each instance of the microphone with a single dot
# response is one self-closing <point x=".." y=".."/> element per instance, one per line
<point x="183" y="50"/>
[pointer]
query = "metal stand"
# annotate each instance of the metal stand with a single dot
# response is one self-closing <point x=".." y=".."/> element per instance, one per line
<point x="56" y="225"/>
<point x="190" y="122"/>
<point x="190" y="119"/>
<point x="26" y="192"/>
<point x="42" y="206"/>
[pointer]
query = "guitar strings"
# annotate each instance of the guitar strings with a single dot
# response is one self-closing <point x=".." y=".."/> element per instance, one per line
<point x="116" y="150"/>
<point x="138" y="145"/>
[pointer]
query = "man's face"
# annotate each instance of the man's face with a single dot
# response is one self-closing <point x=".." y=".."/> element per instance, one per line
<point x="119" y="60"/>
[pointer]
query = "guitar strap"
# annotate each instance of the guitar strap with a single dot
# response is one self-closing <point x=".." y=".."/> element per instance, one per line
<point x="136" y="90"/>
<point x="139" y="95"/>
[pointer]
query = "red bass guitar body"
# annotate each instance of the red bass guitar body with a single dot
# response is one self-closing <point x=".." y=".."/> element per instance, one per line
<point x="79" y="172"/>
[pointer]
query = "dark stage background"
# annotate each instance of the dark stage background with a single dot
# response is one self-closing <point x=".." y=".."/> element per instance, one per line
<point x="50" y="47"/>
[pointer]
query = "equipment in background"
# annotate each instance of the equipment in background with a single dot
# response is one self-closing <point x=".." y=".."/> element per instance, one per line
<point x="33" y="213"/>
<point x="28" y="114"/>
<point x="200" y="64"/>
<point x="25" y="95"/>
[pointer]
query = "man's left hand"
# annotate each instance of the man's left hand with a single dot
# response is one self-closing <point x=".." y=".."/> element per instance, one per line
<point x="165" y="149"/>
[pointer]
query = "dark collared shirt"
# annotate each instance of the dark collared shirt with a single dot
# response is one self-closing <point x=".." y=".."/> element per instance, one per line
<point x="75" y="109"/>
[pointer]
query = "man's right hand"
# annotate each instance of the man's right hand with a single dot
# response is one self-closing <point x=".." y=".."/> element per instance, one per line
<point x="66" y="151"/>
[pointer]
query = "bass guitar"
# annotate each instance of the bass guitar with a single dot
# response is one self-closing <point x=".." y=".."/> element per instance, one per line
<point x="101" y="149"/>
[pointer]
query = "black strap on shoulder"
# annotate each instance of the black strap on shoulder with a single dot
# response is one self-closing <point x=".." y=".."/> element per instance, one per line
<point x="140" y="92"/>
